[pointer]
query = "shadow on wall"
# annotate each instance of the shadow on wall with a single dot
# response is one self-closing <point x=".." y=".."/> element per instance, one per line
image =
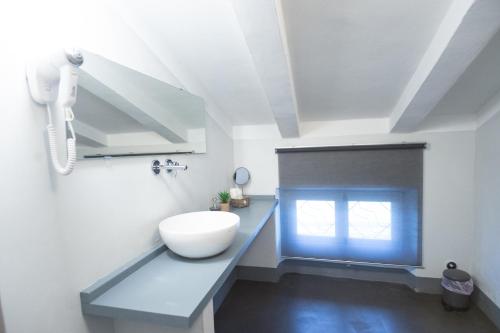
<point x="2" y="326"/>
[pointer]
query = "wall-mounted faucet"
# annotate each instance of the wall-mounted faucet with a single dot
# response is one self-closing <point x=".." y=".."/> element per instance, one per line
<point x="169" y="165"/>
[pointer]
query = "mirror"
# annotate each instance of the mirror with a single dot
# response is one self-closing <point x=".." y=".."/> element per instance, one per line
<point x="241" y="176"/>
<point x="123" y="112"/>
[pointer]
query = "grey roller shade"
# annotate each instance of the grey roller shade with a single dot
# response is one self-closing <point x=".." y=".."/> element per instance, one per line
<point x="379" y="165"/>
<point x="349" y="175"/>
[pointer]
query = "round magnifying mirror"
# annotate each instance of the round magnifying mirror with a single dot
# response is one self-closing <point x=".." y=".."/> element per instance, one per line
<point x="241" y="176"/>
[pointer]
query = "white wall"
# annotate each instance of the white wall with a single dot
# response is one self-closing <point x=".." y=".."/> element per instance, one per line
<point x="448" y="207"/>
<point x="487" y="250"/>
<point x="30" y="253"/>
<point x="263" y="252"/>
<point x="59" y="234"/>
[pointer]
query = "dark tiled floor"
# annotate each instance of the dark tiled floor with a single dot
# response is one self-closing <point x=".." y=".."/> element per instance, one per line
<point x="309" y="304"/>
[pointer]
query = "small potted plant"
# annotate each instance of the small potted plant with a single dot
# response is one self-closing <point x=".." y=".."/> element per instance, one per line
<point x="224" y="198"/>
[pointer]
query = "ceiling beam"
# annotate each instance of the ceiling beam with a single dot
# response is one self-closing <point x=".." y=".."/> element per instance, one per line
<point x="488" y="110"/>
<point x="151" y="116"/>
<point x="262" y="24"/>
<point x="464" y="32"/>
<point x="89" y="135"/>
<point x="117" y="85"/>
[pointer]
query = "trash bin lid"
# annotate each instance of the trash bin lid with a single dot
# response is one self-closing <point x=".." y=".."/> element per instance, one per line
<point x="456" y="275"/>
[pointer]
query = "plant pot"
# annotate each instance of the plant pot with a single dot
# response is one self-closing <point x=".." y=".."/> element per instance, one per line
<point x="224" y="207"/>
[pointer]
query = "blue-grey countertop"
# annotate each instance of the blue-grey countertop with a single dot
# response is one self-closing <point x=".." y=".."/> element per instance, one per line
<point x="164" y="288"/>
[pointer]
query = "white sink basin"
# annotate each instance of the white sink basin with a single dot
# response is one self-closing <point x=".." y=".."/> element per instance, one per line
<point x="199" y="234"/>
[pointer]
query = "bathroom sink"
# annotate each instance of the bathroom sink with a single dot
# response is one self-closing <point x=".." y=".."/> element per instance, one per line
<point x="199" y="234"/>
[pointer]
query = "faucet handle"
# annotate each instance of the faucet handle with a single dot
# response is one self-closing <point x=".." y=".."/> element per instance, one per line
<point x="156" y="167"/>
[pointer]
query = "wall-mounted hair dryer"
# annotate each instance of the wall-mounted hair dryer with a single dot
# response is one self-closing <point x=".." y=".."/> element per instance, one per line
<point x="53" y="81"/>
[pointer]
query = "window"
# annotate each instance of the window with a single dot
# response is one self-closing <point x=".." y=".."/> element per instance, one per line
<point x="352" y="224"/>
<point x="315" y="218"/>
<point x="366" y="219"/>
<point x="352" y="203"/>
<point x="370" y="219"/>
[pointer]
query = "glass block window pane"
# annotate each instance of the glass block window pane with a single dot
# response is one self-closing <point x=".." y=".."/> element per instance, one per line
<point x="315" y="218"/>
<point x="370" y="220"/>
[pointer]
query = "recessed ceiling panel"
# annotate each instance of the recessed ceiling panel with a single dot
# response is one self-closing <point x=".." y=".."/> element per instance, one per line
<point x="353" y="58"/>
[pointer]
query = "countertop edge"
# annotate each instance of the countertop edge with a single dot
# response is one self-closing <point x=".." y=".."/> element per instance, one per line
<point x="108" y="281"/>
<point x="131" y="314"/>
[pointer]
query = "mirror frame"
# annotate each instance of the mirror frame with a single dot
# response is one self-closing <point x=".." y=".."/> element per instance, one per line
<point x="235" y="176"/>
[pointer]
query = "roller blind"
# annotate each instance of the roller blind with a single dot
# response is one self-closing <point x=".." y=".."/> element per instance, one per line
<point x="352" y="203"/>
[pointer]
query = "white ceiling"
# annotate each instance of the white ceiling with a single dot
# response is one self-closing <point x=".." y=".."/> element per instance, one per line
<point x="353" y="58"/>
<point x="206" y="41"/>
<point x="347" y="59"/>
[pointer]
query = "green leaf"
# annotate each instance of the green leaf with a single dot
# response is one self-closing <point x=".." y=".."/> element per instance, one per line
<point x="224" y="196"/>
